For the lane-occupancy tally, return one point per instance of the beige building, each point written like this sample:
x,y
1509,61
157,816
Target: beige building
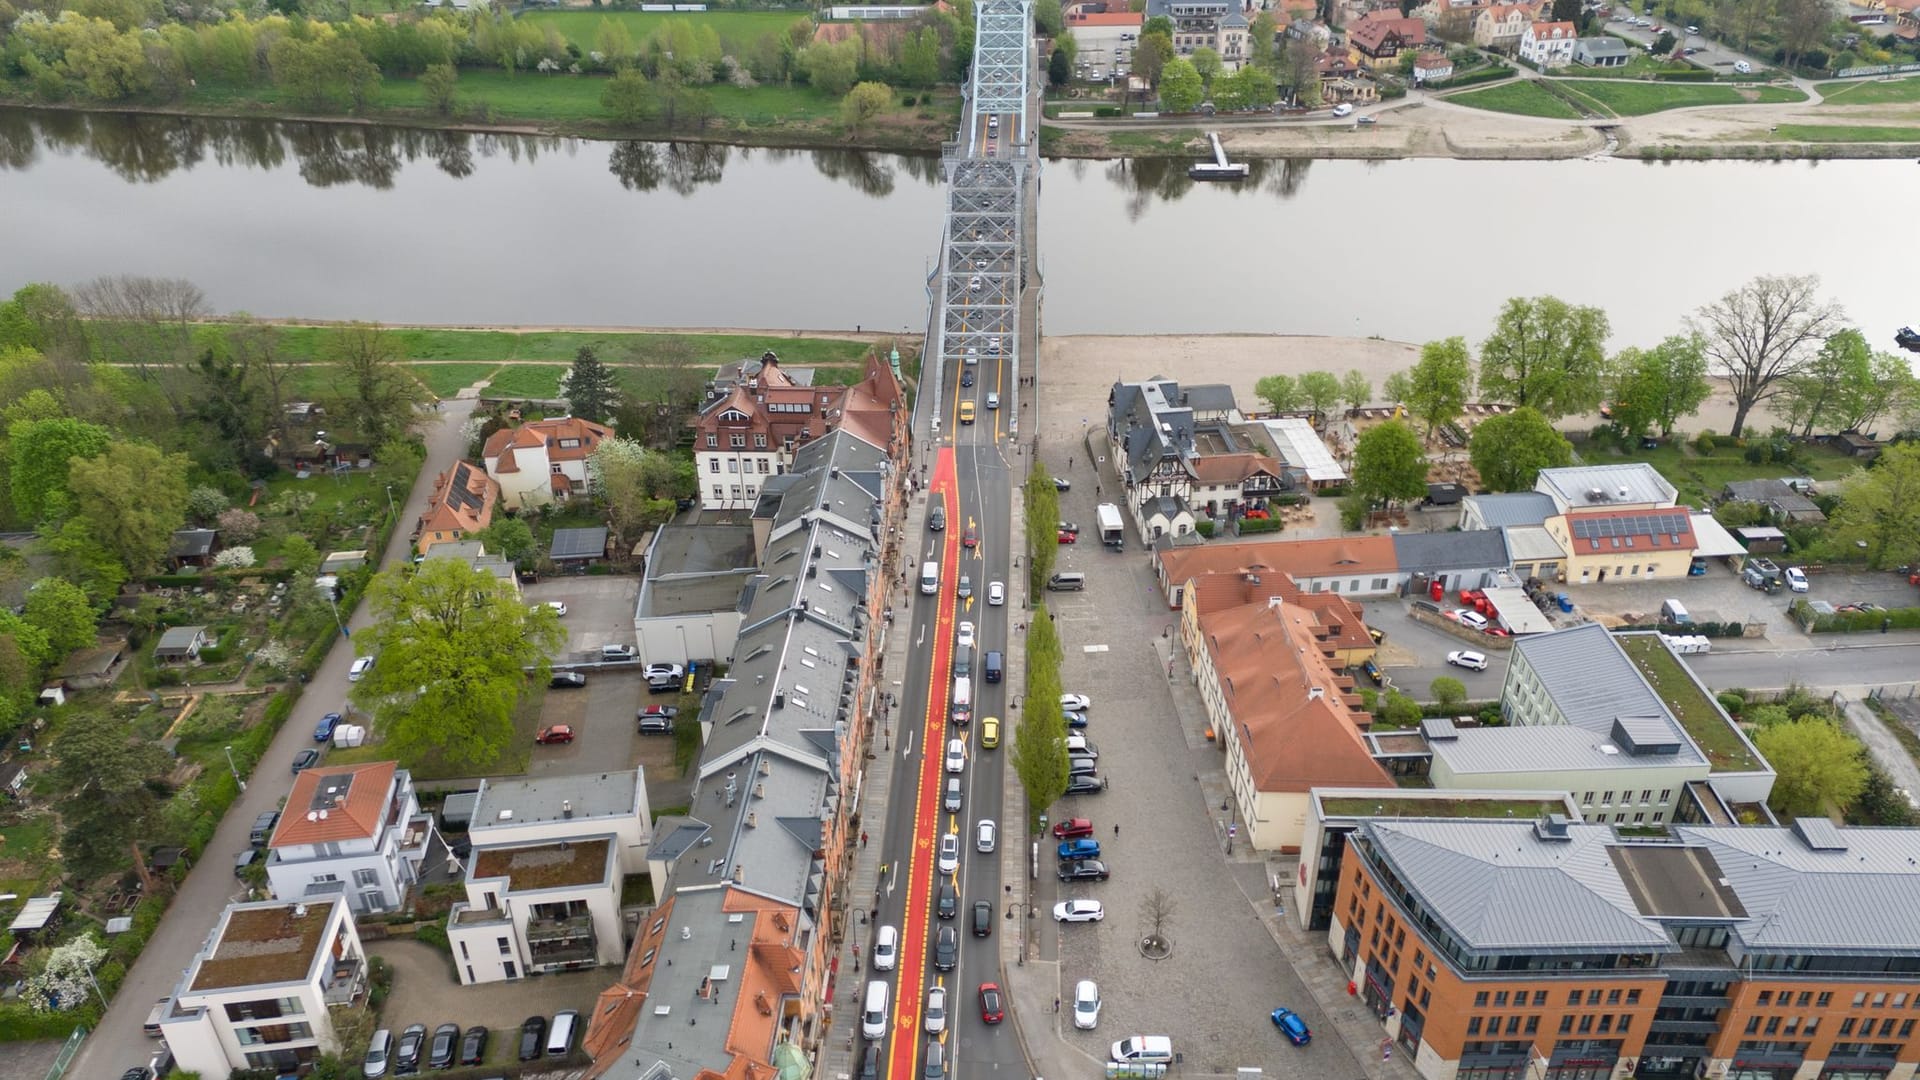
x,y
1501,25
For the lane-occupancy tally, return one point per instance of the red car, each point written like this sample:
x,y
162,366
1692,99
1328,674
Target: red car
x,y
1072,828
1069,538
970,538
558,733
992,1011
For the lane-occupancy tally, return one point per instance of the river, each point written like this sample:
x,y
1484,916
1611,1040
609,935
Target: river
x,y
346,221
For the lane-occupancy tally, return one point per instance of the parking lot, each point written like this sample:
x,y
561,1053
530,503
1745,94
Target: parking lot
x,y
425,991
599,611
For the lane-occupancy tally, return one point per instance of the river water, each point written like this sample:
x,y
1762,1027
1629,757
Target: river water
x,y
333,221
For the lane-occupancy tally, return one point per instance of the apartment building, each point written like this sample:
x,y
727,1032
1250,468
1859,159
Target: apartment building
x,y
1548,45
1503,950
354,831
1220,25
759,416
256,995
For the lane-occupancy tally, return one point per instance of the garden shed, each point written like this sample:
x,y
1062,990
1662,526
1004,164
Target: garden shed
x,y
181,645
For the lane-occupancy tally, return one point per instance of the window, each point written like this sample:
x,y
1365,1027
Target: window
x,y
1859,999
1773,1025
1753,1025
1480,1000
1513,1025
1646,796
1666,796
719,491
763,466
1613,997
1379,584
733,465
1533,1024
1879,1000
1566,1024
1846,1026
1626,1021
1606,799
1805,999
1539,998
1573,997
1593,997
1765,998
1633,997
1586,1023
463,951
1500,1000
1606,1023
1639,818
1587,799
712,439
506,946
713,464
366,879
737,441
760,440
1473,1025
1825,998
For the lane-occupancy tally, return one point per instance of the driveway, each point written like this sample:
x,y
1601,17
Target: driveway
x,y
599,611
425,991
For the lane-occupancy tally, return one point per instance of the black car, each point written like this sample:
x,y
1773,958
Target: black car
x,y
982,919
138,1072
567,680
446,1039
1083,870
656,725
533,1038
1907,338
949,905
304,760
946,949
263,828
406,1056
1085,785
870,1070
473,1047
1062,484
966,377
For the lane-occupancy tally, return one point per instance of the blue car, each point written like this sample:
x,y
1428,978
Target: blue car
x,y
1083,848
1290,1025
324,730
1076,720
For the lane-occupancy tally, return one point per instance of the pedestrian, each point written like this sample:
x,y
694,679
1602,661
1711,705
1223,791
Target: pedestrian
x,y
1009,888
1056,1004
1116,831
863,838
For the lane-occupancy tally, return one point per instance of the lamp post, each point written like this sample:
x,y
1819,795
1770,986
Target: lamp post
x,y
235,770
96,989
334,603
391,512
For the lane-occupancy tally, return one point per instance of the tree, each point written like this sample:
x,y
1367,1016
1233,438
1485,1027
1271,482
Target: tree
x,y
1356,389
40,457
628,96
61,610
1663,44
1881,506
1158,24
1300,71
1817,765
439,84
1763,332
589,388
132,498
381,395
1042,508
67,980
224,400
1509,450
832,67
1440,382
1040,740
1208,64
457,648
1248,88
238,526
1157,909
300,556
1400,710
1321,389
1846,387
637,485
1397,388
1280,392
1262,33
510,538
205,503
920,57
614,43
864,102
1059,67
1388,464
1448,692
1545,353
1654,388
1151,56
238,557
1180,86
109,801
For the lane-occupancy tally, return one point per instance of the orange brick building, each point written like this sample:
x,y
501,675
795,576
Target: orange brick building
x,y
1550,950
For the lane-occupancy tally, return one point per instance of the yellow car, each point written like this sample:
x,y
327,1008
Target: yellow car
x,y
990,732
966,412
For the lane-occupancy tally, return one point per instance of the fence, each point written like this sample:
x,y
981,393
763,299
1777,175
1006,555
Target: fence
x,y
67,1054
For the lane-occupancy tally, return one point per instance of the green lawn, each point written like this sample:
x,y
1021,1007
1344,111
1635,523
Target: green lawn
x,y
446,380
739,31
1521,97
1640,66
526,381
1697,713
486,348
1700,478
1844,133
1641,98
1871,91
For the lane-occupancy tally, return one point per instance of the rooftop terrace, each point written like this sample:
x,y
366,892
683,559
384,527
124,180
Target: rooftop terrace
x,y
261,946
545,866
1698,713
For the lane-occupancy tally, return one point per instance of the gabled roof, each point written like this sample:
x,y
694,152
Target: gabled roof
x,y
345,802
1373,29
1585,487
1552,31
581,437
1480,549
1603,46
1215,469
1606,531
179,639
462,501
581,543
1512,508
191,543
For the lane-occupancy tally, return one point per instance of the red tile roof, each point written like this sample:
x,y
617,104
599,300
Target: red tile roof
x,y
1232,468
1554,31
1108,18
502,444
357,813
1299,558
1371,31
462,502
1660,528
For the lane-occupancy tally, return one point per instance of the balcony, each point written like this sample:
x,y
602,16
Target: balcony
x,y
1685,1027
345,981
562,942
414,840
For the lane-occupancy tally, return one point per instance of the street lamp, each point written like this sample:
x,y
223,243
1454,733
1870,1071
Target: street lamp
x,y
96,989
391,512
334,603
235,770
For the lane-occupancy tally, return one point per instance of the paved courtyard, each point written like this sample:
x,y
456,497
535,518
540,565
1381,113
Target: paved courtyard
x,y
425,991
599,611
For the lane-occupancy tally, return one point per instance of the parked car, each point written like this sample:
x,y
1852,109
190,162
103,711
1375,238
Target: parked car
x,y
379,1055
1472,661
406,1056
1086,1005
446,1040
1071,911
1062,484
1083,870
304,760
245,860
963,637
1796,579
473,1046
1471,618
949,852
1085,785
360,668
989,732
1069,527
1083,848
1072,827
559,609
934,1062
567,680
982,918
948,904
554,734
675,672
1075,720
1290,1025
992,1009
655,724
533,1038
323,731
1069,538
1076,702
263,829
666,712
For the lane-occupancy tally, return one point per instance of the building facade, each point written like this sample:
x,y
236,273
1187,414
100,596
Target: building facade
x,y
354,831
1548,45
750,429
1219,25
543,461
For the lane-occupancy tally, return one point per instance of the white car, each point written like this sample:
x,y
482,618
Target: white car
x,y
996,593
949,853
936,1009
973,355
1076,702
659,672
1086,1005
1796,579
360,667
559,609
975,283
964,639
984,835
1741,67
1078,911
1472,618
1472,661
957,755
1343,109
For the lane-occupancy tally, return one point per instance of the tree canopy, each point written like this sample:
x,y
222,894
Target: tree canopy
x,y
589,388
1388,464
1816,765
1654,388
132,497
1440,383
1509,450
1881,507
1546,353
1763,332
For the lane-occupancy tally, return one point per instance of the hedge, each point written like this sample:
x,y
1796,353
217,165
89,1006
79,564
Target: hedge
x,y
1258,525
1693,75
1474,78
1854,622
1204,528
1694,629
20,1022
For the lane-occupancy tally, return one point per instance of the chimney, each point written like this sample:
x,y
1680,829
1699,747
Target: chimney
x,y
1315,694
566,808
1273,603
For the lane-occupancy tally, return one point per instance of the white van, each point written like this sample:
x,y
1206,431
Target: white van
x,y
930,578
1144,1049
1674,613
560,1035
963,692
873,1017
886,949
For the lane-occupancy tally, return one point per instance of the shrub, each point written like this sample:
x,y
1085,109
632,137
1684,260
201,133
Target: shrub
x,y
1731,702
433,934
1204,528
1108,112
1353,512
1703,444
1249,526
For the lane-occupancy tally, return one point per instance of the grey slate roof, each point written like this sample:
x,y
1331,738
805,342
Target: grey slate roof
x,y
1573,488
1601,46
677,1028
586,543
695,569
1513,508
1862,898
178,639
1498,887
1483,549
1590,678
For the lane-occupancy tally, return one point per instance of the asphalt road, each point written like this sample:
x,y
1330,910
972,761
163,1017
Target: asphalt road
x,y
980,498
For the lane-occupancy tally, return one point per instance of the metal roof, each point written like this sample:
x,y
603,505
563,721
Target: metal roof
x,y
1711,539
556,798
1301,446
1517,612
587,543
37,913
1417,552
1512,508
1862,896
1498,886
1589,677
1547,749
1585,487
1532,544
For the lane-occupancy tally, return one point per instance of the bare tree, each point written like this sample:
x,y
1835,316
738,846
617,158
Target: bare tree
x,y
146,323
256,347
380,394
1765,331
1156,911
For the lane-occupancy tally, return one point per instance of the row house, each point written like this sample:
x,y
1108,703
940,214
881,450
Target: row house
x,y
750,428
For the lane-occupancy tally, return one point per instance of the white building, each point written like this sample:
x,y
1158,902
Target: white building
x,y
545,460
1548,44
256,996
544,879
354,831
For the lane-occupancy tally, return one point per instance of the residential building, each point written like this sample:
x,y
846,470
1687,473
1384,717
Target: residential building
x,y
751,431
1350,565
1181,453
350,830
1627,545
1548,45
1431,67
1560,950
181,645
257,994
461,504
1285,719
543,461
1500,26
1601,52
1219,25
688,608
477,557
1378,37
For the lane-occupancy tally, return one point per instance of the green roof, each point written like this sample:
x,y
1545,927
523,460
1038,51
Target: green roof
x,y
1706,724
1390,806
